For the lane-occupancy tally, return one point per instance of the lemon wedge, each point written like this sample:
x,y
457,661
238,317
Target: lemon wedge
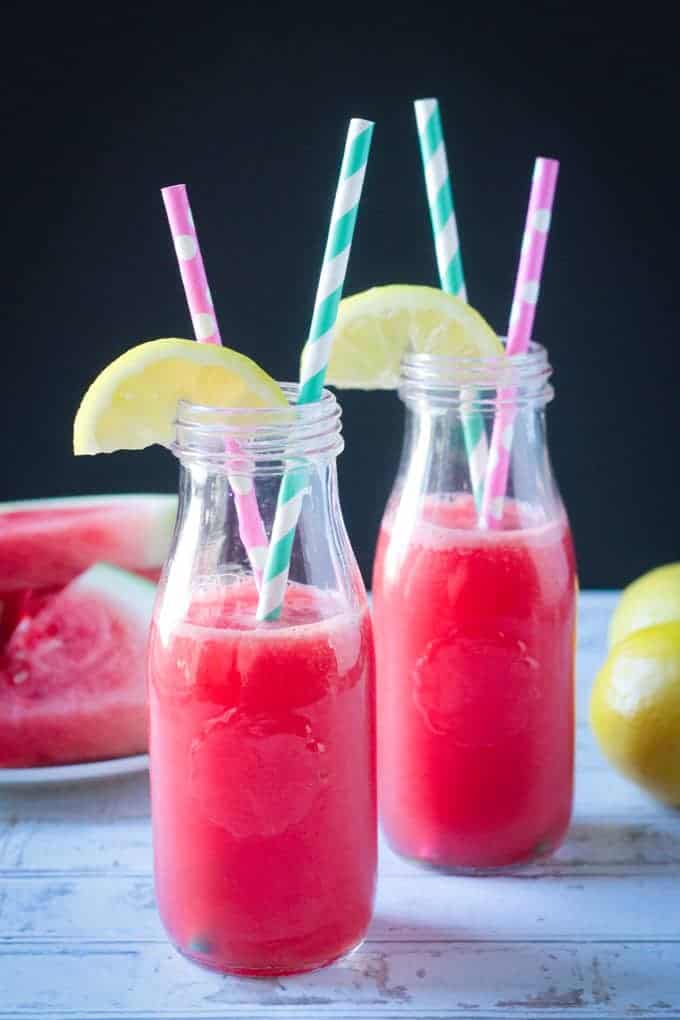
x,y
133,402
376,327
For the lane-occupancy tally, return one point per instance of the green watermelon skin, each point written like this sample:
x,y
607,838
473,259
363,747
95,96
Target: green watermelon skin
x,y
72,678
46,543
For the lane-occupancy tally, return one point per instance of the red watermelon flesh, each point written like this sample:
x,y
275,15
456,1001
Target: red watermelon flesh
x,y
46,543
72,677
10,612
15,606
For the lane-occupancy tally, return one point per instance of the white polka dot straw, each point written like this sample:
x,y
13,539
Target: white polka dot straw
x,y
199,301
527,287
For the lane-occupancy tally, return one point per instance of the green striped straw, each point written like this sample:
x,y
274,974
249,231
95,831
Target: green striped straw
x,y
449,265
294,484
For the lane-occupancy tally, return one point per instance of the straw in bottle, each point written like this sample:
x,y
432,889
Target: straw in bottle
x,y
315,360
199,301
449,264
522,316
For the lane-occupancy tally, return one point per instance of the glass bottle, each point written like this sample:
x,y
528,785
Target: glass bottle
x,y
262,734
474,628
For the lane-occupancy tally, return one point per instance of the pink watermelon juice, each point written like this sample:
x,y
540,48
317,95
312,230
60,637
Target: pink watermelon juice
x,y
475,639
263,779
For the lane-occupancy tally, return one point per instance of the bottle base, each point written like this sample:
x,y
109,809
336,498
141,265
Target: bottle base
x,y
207,962
543,851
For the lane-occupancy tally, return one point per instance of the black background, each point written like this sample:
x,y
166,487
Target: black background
x,y
249,108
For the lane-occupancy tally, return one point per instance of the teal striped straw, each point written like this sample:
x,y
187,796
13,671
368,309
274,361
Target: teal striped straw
x,y
294,484
449,265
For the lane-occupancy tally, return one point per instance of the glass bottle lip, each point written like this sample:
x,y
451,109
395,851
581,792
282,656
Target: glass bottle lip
x,y
264,436
450,379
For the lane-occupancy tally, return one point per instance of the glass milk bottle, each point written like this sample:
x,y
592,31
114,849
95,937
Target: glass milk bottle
x,y
475,629
262,734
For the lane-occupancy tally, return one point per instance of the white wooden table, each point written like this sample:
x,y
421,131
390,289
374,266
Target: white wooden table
x,y
594,933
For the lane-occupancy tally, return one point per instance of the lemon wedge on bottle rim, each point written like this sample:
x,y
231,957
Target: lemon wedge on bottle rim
x,y
133,402
376,327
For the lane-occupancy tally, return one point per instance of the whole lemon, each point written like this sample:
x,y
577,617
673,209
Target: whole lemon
x,y
653,598
635,709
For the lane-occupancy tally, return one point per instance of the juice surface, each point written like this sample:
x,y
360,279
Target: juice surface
x,y
475,634
263,779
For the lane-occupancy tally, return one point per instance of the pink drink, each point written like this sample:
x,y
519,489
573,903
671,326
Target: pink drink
x,y
263,779
475,635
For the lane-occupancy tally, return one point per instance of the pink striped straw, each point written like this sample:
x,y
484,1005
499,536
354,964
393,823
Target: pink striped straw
x,y
527,288
206,331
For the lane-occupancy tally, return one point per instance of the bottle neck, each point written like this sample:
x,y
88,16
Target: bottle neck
x,y
452,405
232,465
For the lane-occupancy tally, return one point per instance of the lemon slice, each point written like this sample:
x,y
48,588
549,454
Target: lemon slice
x,y
376,327
133,402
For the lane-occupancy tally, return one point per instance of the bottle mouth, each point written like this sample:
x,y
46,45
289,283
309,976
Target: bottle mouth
x,y
223,437
451,380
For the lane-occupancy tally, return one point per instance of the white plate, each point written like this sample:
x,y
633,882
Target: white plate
x,y
74,773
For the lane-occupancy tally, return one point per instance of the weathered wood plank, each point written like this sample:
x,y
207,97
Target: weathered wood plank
x,y
378,980
635,835
124,797
442,909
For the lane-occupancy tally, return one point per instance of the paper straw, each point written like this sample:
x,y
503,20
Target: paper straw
x,y
199,300
527,288
449,265
294,485
440,197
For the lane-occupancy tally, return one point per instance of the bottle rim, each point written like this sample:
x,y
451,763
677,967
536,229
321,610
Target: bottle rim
x,y
519,379
259,439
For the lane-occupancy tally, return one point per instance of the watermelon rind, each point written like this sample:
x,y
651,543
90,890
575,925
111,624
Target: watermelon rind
x,y
133,594
164,500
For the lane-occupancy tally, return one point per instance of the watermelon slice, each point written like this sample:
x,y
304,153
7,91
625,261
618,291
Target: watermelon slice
x,y
46,543
72,677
